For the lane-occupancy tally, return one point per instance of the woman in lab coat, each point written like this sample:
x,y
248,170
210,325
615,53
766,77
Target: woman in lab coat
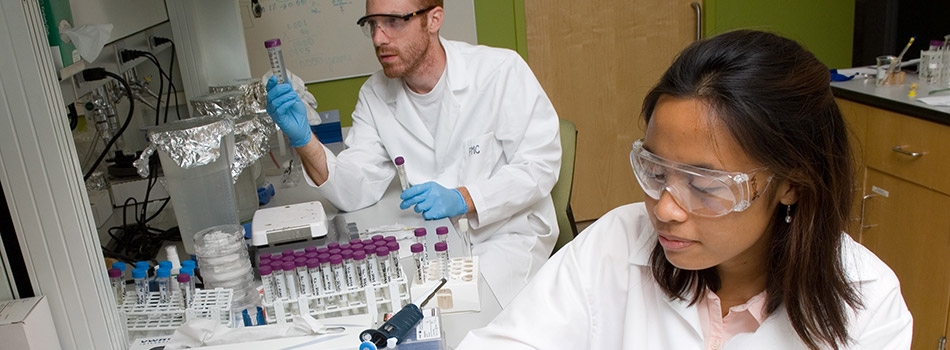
x,y
739,245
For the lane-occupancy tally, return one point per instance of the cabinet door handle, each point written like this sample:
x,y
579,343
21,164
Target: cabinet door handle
x,y
699,19
864,203
942,343
901,150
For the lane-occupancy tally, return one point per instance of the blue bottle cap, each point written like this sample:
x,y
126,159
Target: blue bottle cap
x,y
142,264
119,265
165,263
163,272
187,270
139,273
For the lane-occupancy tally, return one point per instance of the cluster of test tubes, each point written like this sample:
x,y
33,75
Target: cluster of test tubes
x,y
934,66
164,283
441,248
330,277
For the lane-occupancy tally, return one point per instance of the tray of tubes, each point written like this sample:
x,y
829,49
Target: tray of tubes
x,y
156,317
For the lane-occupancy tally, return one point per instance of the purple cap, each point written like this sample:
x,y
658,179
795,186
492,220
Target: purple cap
x,y
355,241
183,278
286,257
393,246
287,252
265,270
271,43
264,261
300,262
310,249
377,238
355,247
265,256
347,254
275,257
333,245
441,230
417,248
345,246
313,263
311,255
289,266
299,253
277,265
114,272
325,257
335,251
936,43
419,232
399,160
369,249
323,250
441,246
382,251
367,241
336,259
359,255
390,238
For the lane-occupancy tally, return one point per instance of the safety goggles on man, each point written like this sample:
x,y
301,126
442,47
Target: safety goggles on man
x,y
391,24
704,192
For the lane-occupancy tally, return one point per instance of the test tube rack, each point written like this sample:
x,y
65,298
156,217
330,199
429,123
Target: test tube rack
x,y
373,299
460,292
154,318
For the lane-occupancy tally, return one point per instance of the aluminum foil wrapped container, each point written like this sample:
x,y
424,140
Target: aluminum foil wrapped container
x,y
189,143
221,103
252,134
255,96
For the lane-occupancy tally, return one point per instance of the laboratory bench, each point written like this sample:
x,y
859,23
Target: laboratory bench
x,y
383,214
902,192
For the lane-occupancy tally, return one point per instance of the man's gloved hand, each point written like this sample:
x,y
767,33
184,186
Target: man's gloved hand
x,y
433,201
288,111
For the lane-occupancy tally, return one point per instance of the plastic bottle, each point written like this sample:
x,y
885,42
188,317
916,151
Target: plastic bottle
x,y
418,259
290,279
339,277
276,58
352,274
140,276
304,281
267,280
420,234
466,238
359,259
385,264
372,265
316,280
442,233
329,285
280,283
394,258
162,280
187,290
401,170
118,285
125,272
442,255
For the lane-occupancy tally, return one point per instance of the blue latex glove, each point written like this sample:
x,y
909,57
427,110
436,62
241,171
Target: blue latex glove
x,y
288,111
433,201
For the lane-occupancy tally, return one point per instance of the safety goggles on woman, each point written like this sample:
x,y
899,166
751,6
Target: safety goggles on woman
x,y
704,192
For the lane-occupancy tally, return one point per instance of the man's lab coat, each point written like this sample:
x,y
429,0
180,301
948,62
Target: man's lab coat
x,y
497,136
598,293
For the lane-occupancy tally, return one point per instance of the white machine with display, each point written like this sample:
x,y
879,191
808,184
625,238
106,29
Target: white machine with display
x,y
288,223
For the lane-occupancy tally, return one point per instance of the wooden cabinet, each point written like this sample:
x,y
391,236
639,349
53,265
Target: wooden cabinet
x,y
906,211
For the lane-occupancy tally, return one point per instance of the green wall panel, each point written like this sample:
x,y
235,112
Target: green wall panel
x,y
825,27
498,23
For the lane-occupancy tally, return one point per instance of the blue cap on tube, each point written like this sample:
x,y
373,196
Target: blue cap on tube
x,y
139,273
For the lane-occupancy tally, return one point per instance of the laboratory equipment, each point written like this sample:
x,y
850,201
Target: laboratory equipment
x,y
196,159
442,256
224,261
289,223
290,279
118,285
304,282
420,234
187,289
401,170
267,282
466,238
255,97
276,58
401,323
418,258
162,279
339,277
460,293
385,264
442,233
372,264
394,258
140,276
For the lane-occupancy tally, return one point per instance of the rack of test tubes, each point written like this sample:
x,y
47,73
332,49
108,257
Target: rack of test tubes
x,y
460,292
359,277
157,317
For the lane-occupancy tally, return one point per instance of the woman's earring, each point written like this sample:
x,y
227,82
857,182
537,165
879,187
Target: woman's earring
x,y
788,214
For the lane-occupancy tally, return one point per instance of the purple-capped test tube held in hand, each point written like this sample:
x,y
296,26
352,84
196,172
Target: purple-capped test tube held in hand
x,y
401,170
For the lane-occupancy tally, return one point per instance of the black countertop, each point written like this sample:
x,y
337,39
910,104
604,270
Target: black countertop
x,y
893,97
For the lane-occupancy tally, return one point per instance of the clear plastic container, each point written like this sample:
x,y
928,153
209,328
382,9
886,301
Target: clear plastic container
x,y
222,255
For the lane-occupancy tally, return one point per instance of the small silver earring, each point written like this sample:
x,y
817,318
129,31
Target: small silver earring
x,y
788,214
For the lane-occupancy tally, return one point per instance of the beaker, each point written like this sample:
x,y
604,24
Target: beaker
x,y
889,71
196,158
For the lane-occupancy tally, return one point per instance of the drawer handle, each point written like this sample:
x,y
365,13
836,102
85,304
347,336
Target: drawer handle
x,y
901,150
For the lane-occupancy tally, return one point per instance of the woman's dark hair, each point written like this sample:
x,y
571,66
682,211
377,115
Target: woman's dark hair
x,y
775,99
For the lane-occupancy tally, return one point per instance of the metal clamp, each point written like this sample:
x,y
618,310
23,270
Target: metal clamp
x,y
901,150
699,19
864,202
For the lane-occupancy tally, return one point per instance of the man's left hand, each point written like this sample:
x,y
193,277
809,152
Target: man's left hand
x,y
433,201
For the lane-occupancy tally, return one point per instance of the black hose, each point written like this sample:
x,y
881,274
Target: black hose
x,y
128,93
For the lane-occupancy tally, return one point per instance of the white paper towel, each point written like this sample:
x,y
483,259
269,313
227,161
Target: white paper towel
x,y
89,39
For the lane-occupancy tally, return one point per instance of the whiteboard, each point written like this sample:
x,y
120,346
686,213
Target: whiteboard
x,y
320,40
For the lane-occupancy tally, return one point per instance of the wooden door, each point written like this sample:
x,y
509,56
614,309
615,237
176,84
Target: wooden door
x,y
596,61
910,231
856,115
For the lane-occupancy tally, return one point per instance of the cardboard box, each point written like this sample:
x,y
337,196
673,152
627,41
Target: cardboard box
x,y
27,324
58,16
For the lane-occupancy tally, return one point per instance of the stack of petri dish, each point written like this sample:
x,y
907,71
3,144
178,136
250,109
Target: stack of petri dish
x,y
224,263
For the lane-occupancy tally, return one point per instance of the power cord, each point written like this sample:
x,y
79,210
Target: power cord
x,y
94,74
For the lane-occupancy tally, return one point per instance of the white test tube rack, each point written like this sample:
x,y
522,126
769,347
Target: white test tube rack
x,y
374,300
460,292
154,318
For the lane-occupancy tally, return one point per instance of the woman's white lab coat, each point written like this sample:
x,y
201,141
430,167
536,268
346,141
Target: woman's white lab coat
x,y
598,293
497,136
